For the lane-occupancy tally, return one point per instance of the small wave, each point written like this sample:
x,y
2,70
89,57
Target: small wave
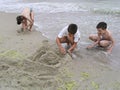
x,y
7,1
107,11
55,7
45,7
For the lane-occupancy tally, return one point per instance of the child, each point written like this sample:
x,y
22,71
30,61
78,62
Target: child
x,y
103,37
70,35
26,18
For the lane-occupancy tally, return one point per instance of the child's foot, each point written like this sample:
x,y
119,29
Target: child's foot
x,y
29,30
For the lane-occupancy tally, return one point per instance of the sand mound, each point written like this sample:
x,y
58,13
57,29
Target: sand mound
x,y
39,72
49,55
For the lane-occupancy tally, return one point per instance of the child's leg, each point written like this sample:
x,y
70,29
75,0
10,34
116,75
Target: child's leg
x,y
93,37
31,26
105,43
32,19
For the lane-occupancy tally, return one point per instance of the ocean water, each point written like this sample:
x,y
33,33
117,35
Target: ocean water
x,y
52,15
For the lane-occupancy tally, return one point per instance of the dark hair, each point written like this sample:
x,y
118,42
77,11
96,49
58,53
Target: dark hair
x,y
102,25
19,19
72,28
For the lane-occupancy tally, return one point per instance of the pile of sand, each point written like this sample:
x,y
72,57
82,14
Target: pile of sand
x,y
28,61
40,71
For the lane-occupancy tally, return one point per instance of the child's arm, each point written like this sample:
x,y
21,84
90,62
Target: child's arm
x,y
112,45
72,47
62,50
30,22
95,43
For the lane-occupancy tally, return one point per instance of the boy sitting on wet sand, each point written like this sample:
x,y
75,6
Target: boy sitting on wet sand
x,y
70,35
103,38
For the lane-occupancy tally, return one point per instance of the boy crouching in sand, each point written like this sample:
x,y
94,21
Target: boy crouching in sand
x,y
26,19
103,37
70,35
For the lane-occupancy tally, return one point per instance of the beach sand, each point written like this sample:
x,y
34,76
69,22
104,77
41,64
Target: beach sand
x,y
28,61
25,42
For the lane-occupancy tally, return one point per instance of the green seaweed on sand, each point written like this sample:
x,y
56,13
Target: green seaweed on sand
x,y
70,85
60,88
66,83
12,54
95,85
84,75
116,86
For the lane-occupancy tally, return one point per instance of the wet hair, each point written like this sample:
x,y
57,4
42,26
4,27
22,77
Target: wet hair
x,y
19,19
72,28
102,25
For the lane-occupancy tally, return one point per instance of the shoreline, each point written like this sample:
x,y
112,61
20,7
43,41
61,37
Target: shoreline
x,y
28,60
11,39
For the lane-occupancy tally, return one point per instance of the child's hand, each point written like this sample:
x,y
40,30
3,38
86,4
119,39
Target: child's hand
x,y
89,47
62,50
69,52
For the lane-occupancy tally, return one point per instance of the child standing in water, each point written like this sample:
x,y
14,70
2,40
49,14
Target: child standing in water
x,y
26,18
103,37
70,35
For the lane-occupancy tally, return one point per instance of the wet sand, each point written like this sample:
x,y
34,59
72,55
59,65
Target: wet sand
x,y
29,61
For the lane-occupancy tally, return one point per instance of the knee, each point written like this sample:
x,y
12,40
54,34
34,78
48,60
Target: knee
x,y
91,37
102,43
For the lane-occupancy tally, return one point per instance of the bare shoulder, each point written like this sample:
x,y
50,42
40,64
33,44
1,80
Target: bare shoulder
x,y
109,33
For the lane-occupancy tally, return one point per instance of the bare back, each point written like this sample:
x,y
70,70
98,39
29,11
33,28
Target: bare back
x,y
26,13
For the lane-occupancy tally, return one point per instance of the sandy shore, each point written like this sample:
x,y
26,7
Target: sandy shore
x,y
27,60
25,42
